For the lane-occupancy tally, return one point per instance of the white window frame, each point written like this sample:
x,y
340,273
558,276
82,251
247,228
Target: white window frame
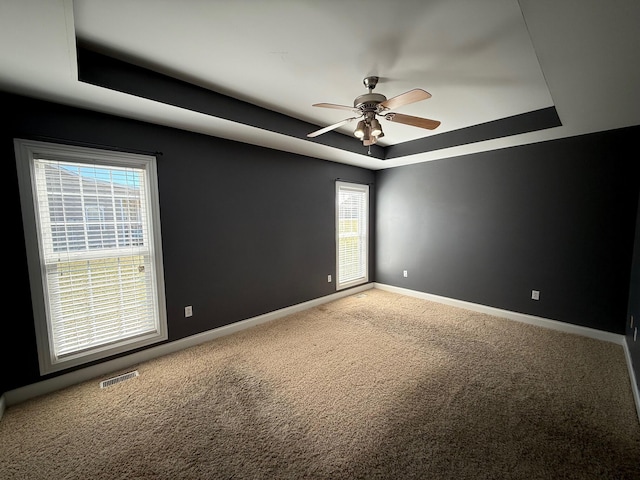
x,y
362,236
26,152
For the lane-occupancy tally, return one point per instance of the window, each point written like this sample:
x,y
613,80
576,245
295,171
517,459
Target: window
x,y
92,232
352,232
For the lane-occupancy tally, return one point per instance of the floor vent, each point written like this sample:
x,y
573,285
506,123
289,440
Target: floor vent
x,y
118,379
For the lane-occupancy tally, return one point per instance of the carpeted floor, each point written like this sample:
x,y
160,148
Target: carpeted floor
x,y
372,386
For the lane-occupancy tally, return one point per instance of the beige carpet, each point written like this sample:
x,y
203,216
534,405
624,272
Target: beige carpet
x,y
372,386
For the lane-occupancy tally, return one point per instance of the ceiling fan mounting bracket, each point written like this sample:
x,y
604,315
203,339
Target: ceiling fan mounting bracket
x,y
370,82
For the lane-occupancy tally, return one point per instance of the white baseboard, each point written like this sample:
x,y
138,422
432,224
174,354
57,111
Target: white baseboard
x,y
632,378
519,317
21,394
533,320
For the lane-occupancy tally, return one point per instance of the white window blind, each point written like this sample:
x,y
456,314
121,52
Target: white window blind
x,y
95,216
352,227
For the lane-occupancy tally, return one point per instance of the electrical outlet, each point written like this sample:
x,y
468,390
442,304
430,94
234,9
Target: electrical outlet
x,y
535,294
404,274
329,278
188,311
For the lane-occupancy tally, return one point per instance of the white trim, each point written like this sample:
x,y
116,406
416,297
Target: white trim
x,y
519,317
69,20
632,378
21,394
65,380
26,152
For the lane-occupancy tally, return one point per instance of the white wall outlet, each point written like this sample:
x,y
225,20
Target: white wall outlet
x,y
188,311
404,274
535,294
329,278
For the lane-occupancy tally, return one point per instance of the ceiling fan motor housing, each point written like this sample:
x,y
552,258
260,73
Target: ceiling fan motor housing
x,y
368,102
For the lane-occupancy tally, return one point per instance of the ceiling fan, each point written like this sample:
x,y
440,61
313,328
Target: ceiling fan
x,y
370,105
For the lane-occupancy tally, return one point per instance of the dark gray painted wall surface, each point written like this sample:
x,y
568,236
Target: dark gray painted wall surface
x,y
557,217
246,230
634,305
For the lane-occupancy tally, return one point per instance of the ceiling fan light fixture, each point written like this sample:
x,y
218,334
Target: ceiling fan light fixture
x,y
360,129
376,128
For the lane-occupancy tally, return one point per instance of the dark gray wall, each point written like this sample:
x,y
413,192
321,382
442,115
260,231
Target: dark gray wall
x,y
246,230
634,304
488,228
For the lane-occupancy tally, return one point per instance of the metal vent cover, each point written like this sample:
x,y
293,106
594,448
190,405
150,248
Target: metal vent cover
x,y
118,379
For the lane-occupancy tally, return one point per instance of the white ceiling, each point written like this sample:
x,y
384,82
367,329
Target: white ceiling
x,y
481,60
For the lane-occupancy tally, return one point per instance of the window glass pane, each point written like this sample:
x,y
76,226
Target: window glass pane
x,y
352,231
94,301
92,207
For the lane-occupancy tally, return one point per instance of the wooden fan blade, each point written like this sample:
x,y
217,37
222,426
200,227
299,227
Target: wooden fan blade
x,y
333,105
411,120
406,98
331,127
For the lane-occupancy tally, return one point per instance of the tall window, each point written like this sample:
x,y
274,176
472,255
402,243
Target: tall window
x,y
92,231
352,232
